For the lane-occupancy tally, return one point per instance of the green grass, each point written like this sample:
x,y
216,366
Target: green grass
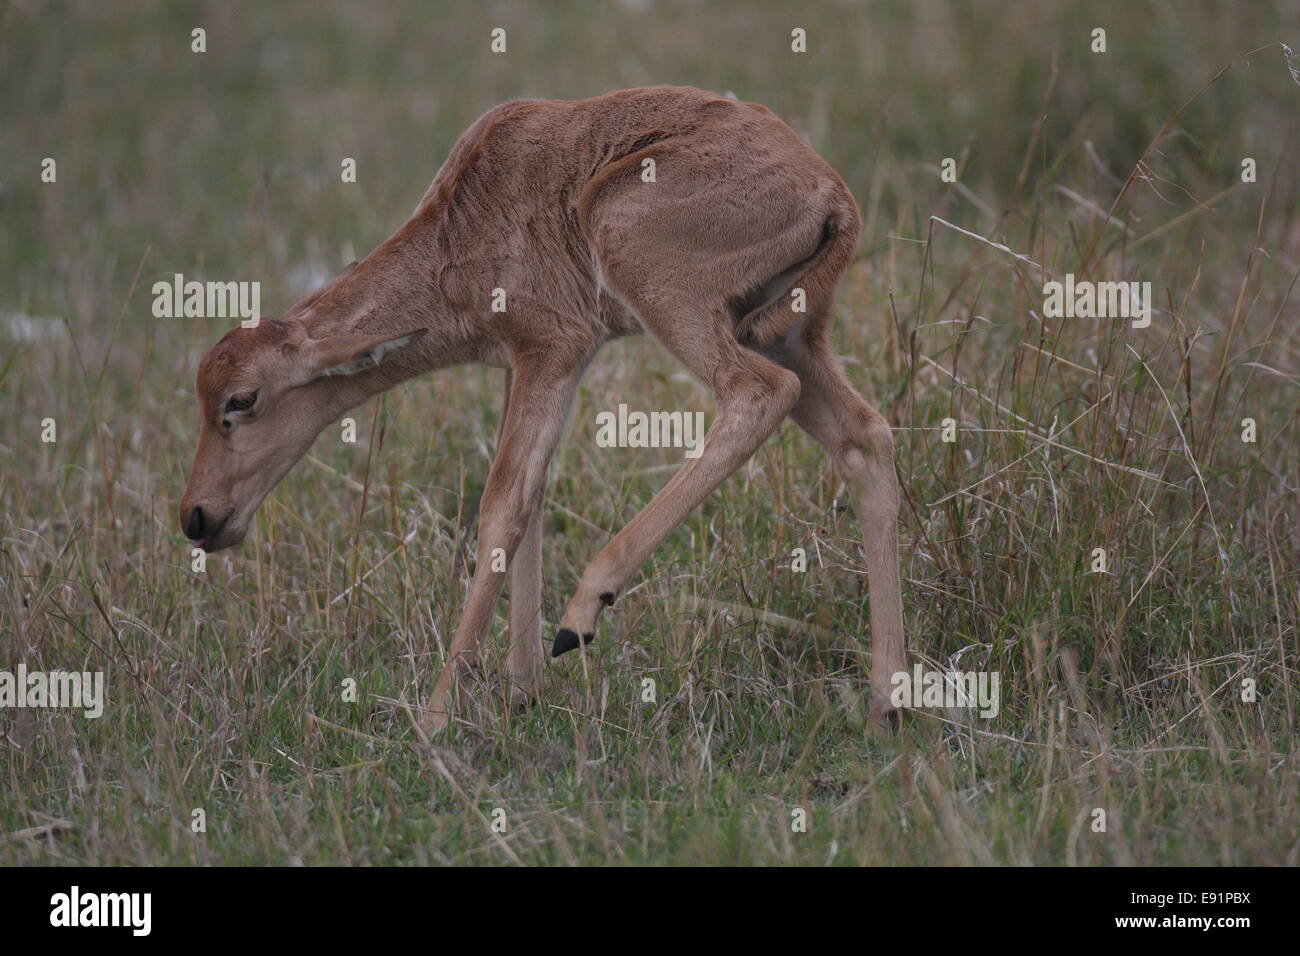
x,y
1121,691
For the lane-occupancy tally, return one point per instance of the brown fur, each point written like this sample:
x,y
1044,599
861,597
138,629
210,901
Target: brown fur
x,y
546,201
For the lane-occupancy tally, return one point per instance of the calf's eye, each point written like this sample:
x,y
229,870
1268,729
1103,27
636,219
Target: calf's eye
x,y
240,403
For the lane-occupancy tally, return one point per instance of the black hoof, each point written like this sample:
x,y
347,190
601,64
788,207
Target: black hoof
x,y
567,640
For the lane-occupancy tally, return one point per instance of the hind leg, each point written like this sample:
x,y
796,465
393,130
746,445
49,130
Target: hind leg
x,y
861,446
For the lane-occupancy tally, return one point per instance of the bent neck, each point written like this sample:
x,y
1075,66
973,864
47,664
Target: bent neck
x,y
393,291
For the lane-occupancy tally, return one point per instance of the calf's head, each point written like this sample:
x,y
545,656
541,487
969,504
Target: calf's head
x,y
264,395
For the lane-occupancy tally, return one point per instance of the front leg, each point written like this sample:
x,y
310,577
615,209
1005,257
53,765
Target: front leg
x,y
524,660
534,422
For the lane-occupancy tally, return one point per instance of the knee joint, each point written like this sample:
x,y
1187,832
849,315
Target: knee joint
x,y
878,440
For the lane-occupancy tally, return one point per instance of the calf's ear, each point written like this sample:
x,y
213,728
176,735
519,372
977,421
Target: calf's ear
x,y
349,353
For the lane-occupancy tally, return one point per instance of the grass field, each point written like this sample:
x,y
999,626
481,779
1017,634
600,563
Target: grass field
x,y
1121,691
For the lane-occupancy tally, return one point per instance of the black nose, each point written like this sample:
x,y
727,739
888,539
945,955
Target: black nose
x,y
194,524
